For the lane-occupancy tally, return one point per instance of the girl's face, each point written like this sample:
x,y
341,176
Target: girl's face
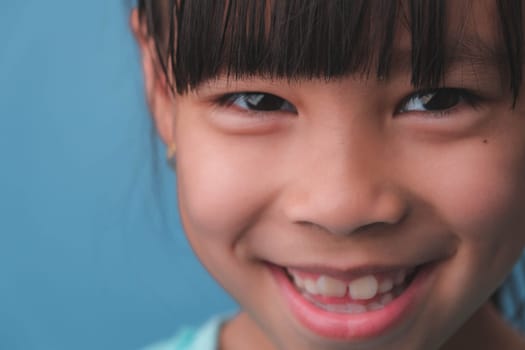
x,y
354,211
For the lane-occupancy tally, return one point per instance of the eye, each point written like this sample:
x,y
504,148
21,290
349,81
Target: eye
x,y
437,100
258,102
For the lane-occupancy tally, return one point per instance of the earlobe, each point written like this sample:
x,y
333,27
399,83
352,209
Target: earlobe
x,y
158,94
171,152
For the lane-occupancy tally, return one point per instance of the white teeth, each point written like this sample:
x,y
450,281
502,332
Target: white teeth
x,y
331,287
311,287
346,308
355,308
325,285
386,285
298,281
374,306
363,288
379,291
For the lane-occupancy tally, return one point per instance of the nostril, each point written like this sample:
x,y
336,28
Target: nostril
x,y
311,226
382,218
347,207
372,226
367,228
378,226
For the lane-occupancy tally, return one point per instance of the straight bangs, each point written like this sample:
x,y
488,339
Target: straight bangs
x,y
200,40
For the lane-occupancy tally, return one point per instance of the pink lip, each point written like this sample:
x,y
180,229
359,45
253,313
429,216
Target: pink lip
x,y
345,274
352,327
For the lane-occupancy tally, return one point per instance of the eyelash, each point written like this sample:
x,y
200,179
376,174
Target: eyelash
x,y
459,97
229,100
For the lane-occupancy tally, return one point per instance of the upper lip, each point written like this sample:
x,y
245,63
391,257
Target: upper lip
x,y
355,271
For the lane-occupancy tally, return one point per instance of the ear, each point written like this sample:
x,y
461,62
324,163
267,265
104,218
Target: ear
x,y
158,94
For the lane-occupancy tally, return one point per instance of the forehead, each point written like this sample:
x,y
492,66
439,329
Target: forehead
x,y
473,24
471,34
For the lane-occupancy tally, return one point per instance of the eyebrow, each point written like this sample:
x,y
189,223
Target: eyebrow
x,y
474,50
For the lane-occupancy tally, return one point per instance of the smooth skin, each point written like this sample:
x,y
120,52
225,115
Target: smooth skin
x,y
352,172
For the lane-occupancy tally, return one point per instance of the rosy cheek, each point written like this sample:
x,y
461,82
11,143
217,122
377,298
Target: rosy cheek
x,y
218,194
479,196
477,204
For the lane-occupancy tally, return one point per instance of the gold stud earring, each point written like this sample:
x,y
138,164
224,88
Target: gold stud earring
x,y
170,154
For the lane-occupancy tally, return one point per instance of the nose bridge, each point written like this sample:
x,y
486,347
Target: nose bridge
x,y
348,185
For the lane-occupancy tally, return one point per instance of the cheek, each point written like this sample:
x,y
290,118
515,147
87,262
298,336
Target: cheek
x,y
480,193
211,193
222,188
475,198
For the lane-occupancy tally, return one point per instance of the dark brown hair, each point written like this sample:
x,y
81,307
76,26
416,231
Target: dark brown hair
x,y
199,39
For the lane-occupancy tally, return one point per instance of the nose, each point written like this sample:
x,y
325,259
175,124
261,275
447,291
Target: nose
x,y
347,190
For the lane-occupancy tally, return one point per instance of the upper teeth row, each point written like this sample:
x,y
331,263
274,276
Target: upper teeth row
x,y
362,288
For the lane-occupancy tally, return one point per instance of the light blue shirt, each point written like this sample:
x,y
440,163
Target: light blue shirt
x,y
204,338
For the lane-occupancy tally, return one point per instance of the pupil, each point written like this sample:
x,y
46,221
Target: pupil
x,y
443,99
264,102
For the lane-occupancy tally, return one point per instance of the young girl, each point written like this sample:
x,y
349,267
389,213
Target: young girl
x,y
351,172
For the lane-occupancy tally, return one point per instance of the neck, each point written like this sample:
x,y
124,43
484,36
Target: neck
x,y
241,330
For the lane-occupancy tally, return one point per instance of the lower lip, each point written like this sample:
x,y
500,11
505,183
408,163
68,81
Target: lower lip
x,y
352,327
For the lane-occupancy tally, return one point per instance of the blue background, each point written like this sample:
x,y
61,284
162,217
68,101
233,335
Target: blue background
x,y
92,255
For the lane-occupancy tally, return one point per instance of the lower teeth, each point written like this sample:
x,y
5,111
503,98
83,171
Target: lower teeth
x,y
354,308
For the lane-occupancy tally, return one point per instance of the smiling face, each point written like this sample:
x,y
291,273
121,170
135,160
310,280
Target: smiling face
x,y
344,185
354,212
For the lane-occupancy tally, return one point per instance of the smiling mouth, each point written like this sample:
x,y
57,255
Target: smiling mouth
x,y
357,304
353,294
